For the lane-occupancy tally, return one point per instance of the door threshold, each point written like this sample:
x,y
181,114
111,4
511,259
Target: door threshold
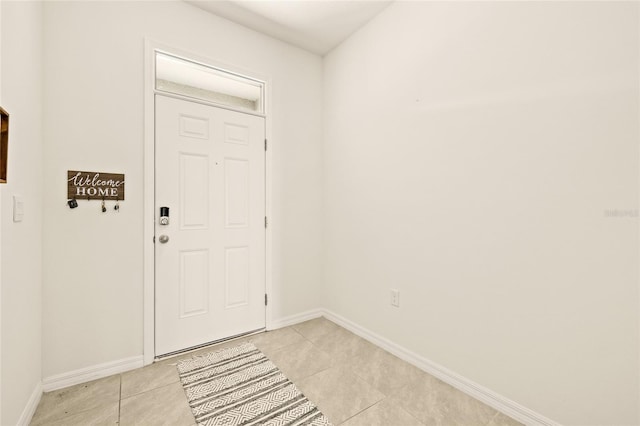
x,y
204,345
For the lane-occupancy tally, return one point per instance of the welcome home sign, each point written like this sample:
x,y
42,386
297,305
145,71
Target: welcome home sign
x,y
95,185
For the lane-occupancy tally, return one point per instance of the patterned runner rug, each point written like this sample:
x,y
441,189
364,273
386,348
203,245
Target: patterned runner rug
x,y
241,386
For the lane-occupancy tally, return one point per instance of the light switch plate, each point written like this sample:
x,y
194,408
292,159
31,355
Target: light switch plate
x,y
18,208
395,297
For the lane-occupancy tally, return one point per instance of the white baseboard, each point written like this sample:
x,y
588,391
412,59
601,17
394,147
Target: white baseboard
x,y
32,405
479,392
87,374
295,319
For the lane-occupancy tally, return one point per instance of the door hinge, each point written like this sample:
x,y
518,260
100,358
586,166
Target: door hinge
x,y
154,239
266,222
265,144
265,299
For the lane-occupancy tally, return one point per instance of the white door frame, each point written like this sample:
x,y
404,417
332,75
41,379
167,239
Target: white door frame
x,y
149,213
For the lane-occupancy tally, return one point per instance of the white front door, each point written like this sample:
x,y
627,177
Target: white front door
x,y
210,257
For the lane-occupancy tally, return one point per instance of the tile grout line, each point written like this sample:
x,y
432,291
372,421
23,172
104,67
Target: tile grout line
x,y
493,418
364,409
314,345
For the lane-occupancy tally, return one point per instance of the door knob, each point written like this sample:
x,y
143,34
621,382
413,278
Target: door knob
x,y
164,239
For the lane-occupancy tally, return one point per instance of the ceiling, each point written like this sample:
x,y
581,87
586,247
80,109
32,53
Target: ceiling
x,y
314,25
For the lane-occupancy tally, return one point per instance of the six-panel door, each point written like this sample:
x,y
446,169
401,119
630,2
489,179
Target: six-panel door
x,y
210,272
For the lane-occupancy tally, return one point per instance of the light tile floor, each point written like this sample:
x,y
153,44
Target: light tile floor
x,y
353,382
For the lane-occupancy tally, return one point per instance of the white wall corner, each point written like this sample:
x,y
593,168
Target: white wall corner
x,y
32,405
479,392
148,208
88,374
294,319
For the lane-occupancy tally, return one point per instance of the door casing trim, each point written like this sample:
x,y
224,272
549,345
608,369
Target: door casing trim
x,y
149,185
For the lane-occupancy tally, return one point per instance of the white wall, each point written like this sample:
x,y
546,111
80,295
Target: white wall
x,y
471,152
21,243
93,262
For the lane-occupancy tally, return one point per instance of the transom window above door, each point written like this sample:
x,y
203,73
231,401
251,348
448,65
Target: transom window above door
x,y
200,81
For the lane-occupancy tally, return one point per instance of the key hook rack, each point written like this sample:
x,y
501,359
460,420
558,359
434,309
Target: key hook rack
x,y
100,186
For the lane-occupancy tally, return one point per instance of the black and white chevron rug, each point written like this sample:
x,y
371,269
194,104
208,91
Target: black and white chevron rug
x,y
241,386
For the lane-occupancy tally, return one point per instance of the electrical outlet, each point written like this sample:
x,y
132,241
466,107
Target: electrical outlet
x,y
395,297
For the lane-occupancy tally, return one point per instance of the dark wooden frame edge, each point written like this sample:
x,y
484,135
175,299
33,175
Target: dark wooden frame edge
x,y
4,144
